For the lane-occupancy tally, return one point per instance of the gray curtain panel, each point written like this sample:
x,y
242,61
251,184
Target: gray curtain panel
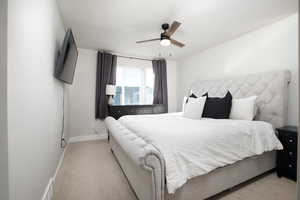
x,y
160,94
106,74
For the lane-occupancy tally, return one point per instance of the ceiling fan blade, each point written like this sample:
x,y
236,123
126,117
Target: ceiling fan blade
x,y
175,25
179,44
148,40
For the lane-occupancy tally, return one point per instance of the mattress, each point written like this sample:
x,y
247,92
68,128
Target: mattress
x,y
194,147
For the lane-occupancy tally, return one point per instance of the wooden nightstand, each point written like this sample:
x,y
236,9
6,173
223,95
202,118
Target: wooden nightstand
x,y
287,158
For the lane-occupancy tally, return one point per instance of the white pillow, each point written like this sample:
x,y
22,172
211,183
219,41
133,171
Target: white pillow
x,y
243,109
194,108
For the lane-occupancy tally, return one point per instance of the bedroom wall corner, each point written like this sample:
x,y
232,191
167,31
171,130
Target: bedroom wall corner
x,y
273,47
4,181
81,98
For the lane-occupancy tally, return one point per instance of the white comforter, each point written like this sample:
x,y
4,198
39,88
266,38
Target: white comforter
x,y
195,147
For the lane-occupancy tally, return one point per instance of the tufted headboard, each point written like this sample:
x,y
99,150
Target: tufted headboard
x,y
270,87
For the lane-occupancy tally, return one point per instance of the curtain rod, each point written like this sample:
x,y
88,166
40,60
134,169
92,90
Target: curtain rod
x,y
130,57
136,58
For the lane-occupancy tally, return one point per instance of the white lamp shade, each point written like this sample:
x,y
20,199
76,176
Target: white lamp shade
x,y
110,89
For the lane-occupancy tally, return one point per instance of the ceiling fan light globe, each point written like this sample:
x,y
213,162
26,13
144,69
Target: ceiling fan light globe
x,y
165,42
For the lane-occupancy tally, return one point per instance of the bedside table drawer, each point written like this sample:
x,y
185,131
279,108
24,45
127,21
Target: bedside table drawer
x,y
287,158
289,141
291,171
287,167
291,155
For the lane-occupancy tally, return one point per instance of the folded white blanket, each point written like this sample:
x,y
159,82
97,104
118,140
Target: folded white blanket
x,y
193,147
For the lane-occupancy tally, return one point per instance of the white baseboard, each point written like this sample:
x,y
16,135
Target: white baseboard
x,y
49,192
60,163
87,138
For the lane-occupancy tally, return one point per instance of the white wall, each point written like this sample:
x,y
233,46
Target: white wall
x,y
82,95
35,32
172,85
273,47
4,189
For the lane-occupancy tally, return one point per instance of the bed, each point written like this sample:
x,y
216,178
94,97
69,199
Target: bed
x,y
146,164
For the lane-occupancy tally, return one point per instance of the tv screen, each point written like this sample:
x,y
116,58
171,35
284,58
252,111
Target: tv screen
x,y
67,59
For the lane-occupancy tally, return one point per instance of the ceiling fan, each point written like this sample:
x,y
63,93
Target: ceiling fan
x,y
165,37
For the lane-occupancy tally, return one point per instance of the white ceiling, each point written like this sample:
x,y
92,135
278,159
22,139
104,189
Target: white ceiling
x,y
116,25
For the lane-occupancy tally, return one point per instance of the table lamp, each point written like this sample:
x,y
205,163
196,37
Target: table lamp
x,y
110,91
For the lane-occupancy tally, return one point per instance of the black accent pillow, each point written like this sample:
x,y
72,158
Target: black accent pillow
x,y
217,108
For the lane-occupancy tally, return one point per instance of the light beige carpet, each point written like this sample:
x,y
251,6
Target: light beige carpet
x,y
90,172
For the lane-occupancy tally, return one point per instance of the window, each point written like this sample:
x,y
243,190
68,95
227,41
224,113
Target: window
x,y
134,85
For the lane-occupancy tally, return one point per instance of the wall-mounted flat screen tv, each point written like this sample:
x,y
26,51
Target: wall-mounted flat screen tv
x,y
67,58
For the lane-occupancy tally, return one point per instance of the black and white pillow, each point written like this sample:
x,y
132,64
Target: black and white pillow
x,y
216,107
186,99
191,96
194,108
